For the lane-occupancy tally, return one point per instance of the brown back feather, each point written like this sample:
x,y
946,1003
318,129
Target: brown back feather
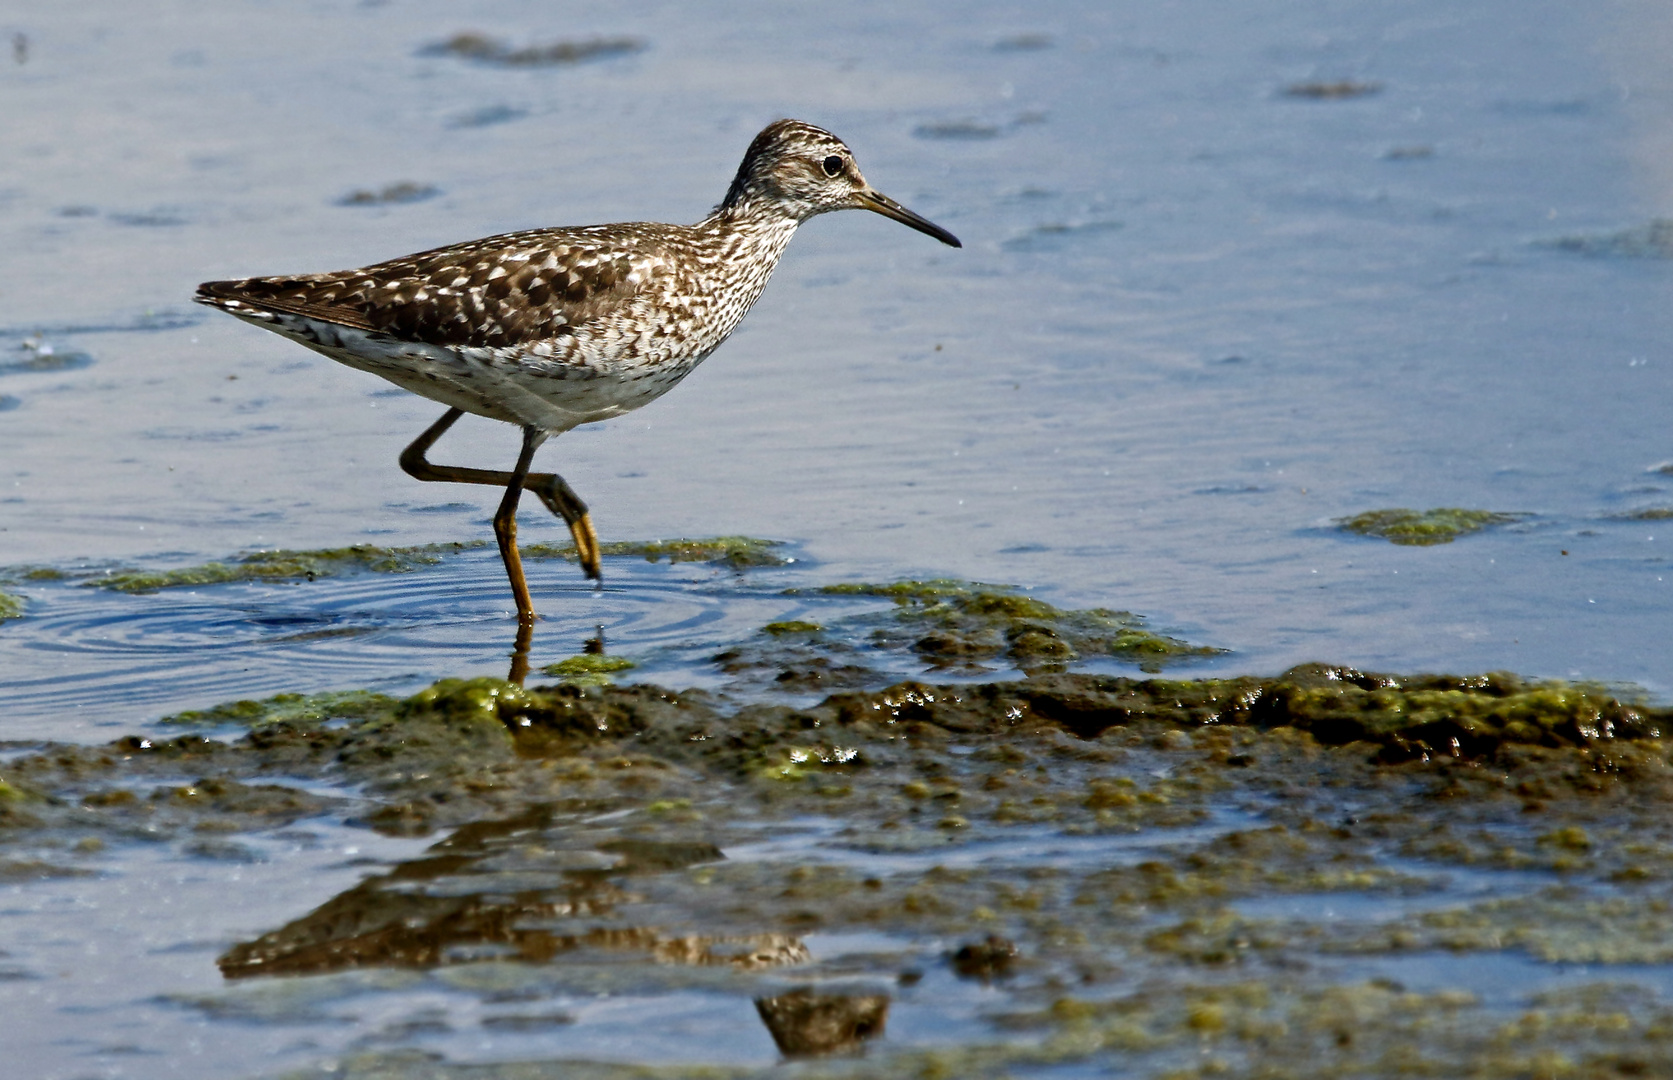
x,y
471,294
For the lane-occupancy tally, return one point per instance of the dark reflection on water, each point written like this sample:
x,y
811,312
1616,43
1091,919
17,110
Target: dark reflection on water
x,y
533,889
455,907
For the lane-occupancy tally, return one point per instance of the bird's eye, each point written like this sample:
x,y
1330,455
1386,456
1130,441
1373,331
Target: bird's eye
x,y
832,165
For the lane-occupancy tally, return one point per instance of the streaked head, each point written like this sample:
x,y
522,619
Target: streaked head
x,y
801,171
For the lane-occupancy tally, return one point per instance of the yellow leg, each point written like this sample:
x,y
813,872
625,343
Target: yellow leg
x,y
505,524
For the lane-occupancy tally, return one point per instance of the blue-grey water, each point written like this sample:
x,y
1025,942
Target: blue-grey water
x,y
1197,318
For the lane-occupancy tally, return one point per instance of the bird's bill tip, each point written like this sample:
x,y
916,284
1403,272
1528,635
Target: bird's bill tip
x,y
879,203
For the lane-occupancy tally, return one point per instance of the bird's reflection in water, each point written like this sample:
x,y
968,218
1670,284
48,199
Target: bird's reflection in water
x,y
593,646
503,890
493,891
520,652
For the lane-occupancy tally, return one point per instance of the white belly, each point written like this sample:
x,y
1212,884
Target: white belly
x,y
497,383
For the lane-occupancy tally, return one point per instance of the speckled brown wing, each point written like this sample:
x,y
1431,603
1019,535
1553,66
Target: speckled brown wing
x,y
497,292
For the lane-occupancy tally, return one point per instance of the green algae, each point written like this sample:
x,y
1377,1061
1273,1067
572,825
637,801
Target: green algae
x,y
473,700
737,552
1427,716
589,669
11,607
1556,925
301,709
1264,1028
903,592
1534,734
963,623
1423,528
15,793
283,565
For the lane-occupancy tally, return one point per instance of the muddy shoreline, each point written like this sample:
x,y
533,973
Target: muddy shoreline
x,y
1100,862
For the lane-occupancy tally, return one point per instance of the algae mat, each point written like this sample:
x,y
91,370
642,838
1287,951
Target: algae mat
x,y
1327,873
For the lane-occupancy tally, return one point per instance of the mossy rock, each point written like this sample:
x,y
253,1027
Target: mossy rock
x,y
1423,528
470,700
11,607
791,626
1399,719
589,669
949,622
1431,716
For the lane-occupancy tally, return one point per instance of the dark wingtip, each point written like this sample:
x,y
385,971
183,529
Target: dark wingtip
x,y
214,292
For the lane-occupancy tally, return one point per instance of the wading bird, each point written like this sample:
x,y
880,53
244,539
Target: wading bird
x,y
553,328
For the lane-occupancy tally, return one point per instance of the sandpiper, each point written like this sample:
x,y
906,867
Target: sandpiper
x,y
553,328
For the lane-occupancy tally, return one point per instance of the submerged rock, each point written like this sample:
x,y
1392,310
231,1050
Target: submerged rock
x,y
1653,240
488,50
1339,90
950,623
1421,528
404,191
807,1023
589,669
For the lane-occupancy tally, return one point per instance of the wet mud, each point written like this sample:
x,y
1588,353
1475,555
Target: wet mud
x,y
1105,862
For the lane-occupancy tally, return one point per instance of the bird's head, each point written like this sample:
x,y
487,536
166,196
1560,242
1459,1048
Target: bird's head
x,y
799,170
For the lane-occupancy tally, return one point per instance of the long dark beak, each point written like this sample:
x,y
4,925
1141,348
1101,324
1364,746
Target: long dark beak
x,y
877,202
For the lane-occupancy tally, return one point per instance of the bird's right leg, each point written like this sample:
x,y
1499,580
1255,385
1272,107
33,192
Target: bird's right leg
x,y
505,525
558,496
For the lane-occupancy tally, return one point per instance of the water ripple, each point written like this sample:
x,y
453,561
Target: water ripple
x,y
88,661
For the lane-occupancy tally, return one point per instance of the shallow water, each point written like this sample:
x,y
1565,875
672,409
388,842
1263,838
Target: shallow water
x,y
89,663
1196,317
1228,276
